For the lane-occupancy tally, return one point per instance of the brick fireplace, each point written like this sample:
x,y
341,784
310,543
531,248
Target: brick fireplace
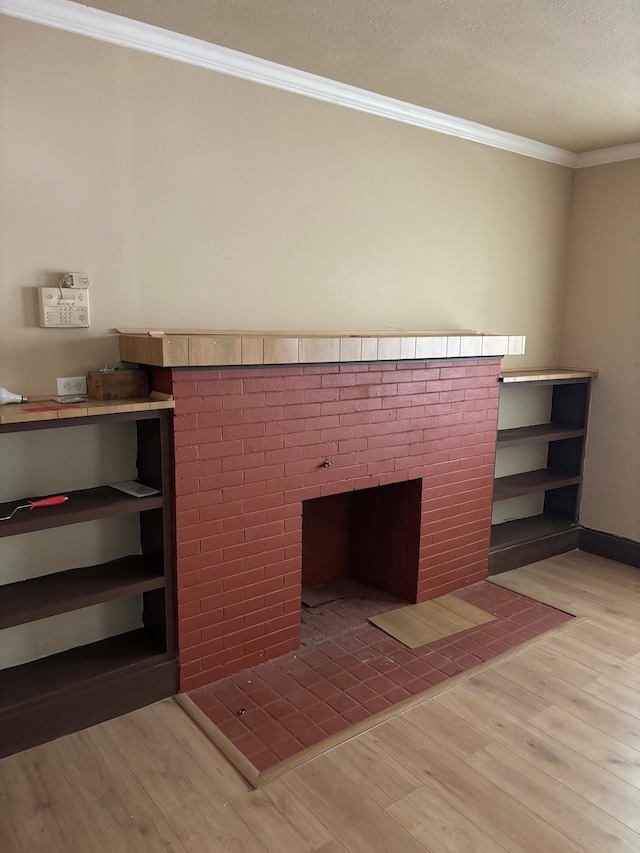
x,y
254,445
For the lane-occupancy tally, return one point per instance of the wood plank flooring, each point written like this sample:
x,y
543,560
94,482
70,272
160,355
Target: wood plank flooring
x,y
541,754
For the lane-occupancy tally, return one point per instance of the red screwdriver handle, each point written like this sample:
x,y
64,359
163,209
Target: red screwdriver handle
x,y
56,499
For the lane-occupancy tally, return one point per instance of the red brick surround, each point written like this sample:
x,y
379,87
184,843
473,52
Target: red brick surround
x,y
249,448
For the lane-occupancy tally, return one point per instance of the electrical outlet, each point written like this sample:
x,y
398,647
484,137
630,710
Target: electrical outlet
x,y
71,385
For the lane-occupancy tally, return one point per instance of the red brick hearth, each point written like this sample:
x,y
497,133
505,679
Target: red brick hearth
x,y
252,444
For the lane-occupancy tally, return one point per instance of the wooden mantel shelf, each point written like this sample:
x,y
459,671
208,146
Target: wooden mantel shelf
x,y
212,348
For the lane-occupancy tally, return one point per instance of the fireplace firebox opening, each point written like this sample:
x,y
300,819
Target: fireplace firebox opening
x,y
369,535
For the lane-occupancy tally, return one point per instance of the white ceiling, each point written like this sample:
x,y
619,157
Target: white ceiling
x,y
564,72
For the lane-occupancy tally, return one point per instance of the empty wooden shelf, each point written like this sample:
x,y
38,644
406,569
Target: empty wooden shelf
x,y
527,483
62,692
62,592
523,540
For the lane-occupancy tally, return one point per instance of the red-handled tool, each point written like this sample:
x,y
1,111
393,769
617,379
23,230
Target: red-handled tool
x,y
56,499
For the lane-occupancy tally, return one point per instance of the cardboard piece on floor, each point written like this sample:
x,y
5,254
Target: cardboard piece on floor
x,y
419,624
313,596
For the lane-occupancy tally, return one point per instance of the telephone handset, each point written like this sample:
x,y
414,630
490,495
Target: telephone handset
x,y
63,307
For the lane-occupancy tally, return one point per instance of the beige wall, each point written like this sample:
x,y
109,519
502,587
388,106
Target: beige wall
x,y
194,199
198,200
602,329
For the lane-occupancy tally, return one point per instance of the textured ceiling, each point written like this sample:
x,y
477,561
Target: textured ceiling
x,y
565,72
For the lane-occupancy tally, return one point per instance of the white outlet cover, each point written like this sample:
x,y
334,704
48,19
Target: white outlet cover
x,y
71,385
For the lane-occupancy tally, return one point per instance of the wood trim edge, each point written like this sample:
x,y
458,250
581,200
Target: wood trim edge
x,y
400,708
525,553
607,545
611,547
257,779
234,756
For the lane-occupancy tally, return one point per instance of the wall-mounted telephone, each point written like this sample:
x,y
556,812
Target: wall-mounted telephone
x,y
63,307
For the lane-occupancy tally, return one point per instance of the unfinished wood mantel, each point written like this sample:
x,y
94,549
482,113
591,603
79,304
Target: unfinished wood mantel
x,y
213,348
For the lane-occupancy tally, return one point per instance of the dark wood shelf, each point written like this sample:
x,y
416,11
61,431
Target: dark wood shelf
x,y
556,529
537,434
530,482
63,692
40,680
522,530
38,598
83,505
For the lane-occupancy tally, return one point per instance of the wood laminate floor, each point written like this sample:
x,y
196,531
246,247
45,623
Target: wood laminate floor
x,y
541,754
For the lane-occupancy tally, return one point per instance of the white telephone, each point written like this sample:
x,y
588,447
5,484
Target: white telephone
x,y
63,307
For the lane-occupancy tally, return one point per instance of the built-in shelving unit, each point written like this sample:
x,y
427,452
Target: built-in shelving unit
x,y
523,540
63,692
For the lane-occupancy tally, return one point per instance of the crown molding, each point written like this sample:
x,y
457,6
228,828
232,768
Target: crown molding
x,y
608,155
114,29
105,26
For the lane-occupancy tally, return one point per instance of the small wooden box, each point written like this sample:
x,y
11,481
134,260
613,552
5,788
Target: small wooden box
x,y
118,384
